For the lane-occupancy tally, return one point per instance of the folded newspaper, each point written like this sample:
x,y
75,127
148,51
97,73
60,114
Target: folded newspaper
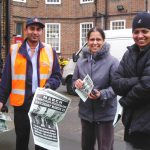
x,y
118,112
47,109
6,123
87,88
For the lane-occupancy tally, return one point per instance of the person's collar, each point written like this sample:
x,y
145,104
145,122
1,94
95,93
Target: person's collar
x,y
141,49
147,47
28,47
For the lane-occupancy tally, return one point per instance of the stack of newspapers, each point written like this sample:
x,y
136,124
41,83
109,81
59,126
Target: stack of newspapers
x,y
5,122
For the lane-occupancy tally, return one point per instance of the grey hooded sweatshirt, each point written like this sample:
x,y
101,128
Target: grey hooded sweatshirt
x,y
100,67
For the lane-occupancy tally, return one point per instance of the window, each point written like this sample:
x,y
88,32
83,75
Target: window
x,y
84,28
53,1
117,0
117,24
20,1
19,29
86,1
52,35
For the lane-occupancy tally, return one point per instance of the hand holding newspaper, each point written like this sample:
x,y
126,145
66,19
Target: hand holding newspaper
x,y
87,88
47,109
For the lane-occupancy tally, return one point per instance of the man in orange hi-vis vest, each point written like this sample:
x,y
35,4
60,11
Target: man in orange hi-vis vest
x,y
28,65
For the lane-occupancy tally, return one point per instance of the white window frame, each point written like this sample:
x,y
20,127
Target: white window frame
x,y
53,3
88,1
21,23
23,1
117,21
81,37
59,36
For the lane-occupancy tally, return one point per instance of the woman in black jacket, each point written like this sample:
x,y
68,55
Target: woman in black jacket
x,y
132,82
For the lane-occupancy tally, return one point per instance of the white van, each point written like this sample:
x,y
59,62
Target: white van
x,y
118,39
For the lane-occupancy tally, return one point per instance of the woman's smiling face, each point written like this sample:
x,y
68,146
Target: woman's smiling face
x,y
95,41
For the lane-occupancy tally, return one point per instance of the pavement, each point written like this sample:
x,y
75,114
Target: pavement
x,y
69,130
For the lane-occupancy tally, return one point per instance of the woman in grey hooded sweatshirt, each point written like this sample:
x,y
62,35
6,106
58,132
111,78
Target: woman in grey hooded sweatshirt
x,y
98,111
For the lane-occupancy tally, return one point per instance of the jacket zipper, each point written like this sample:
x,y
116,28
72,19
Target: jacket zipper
x,y
93,112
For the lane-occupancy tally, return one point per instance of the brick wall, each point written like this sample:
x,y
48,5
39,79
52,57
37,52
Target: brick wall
x,y
70,13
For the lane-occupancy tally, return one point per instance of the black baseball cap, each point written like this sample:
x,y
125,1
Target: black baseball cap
x,y
34,20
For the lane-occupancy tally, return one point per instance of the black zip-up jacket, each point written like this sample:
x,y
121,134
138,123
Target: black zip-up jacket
x,y
132,82
132,79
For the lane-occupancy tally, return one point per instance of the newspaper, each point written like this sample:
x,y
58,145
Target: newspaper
x,y
118,112
47,109
5,122
87,88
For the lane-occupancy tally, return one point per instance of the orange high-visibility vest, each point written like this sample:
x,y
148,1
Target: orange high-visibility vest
x,y
18,70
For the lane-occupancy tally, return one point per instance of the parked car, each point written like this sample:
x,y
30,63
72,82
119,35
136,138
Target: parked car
x,y
69,69
118,39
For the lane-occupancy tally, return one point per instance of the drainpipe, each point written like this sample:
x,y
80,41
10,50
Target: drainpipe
x,y
106,14
7,36
95,3
0,28
146,5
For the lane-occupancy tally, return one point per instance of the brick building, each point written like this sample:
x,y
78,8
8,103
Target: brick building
x,y
4,28
68,21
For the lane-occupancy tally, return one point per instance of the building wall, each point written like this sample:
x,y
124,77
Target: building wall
x,y
5,29
70,13
131,7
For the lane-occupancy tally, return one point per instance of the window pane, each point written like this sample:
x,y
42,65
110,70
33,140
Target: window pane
x,y
53,36
120,24
84,28
19,28
20,0
53,1
86,1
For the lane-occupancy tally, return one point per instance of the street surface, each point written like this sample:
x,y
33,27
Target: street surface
x,y
69,130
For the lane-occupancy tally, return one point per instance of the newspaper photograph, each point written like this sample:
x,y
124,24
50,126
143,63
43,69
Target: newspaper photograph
x,y
5,122
47,109
87,88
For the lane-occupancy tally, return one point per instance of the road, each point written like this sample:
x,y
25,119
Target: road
x,y
69,130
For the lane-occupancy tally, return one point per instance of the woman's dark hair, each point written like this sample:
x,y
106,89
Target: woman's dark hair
x,y
94,30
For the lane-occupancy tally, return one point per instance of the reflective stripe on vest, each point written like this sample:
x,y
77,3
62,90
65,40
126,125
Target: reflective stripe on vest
x,y
46,63
18,68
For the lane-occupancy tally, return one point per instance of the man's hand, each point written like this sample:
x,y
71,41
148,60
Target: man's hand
x,y
47,86
1,106
4,109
